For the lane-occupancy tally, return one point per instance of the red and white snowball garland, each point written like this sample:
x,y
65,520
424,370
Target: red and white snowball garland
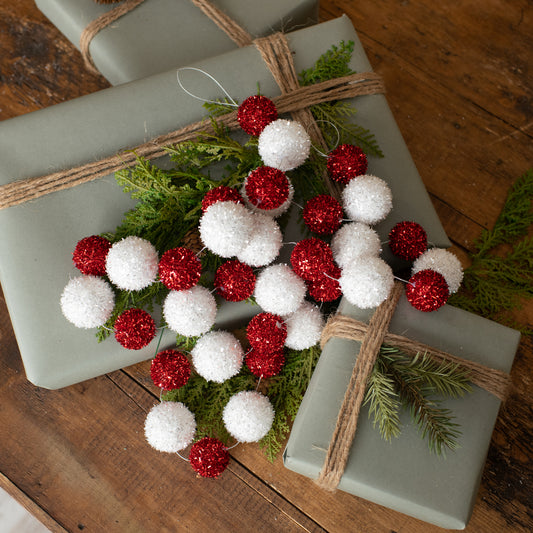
x,y
240,226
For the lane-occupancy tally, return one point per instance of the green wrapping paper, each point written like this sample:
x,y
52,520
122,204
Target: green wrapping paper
x,y
38,237
402,474
163,34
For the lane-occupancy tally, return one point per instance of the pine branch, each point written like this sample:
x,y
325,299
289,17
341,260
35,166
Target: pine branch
x,y
500,277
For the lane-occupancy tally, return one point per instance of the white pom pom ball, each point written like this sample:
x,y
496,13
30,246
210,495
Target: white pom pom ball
x,y
225,228
169,427
264,244
367,282
367,199
279,290
444,263
87,301
191,312
248,416
354,240
217,356
132,263
284,144
304,327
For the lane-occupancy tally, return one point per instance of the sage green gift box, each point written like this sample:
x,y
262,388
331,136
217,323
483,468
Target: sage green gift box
x,y
38,237
162,34
402,474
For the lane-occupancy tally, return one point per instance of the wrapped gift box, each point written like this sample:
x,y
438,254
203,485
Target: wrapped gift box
x,y
162,34
402,474
38,237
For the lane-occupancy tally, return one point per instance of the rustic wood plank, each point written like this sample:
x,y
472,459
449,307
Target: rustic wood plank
x,y
459,84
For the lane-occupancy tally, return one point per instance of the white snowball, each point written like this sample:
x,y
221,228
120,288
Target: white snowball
x,y
367,282
132,263
444,263
191,312
279,290
225,228
217,356
169,427
304,327
87,301
354,240
367,199
265,242
277,211
248,416
284,144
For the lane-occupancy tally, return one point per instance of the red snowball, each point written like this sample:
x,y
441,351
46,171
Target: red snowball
x,y
90,254
209,457
346,162
310,258
323,214
170,370
179,269
266,333
427,290
408,240
267,188
134,329
326,287
221,194
255,113
235,281
265,365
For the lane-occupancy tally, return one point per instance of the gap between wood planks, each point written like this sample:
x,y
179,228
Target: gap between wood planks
x,y
144,398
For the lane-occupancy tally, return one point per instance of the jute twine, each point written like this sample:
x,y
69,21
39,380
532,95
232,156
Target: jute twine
x,y
21,191
236,32
372,336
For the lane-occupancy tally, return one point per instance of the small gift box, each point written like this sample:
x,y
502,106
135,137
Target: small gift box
x,y
38,237
403,474
158,35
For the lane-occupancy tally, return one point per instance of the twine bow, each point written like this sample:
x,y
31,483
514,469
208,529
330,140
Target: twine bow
x,y
372,336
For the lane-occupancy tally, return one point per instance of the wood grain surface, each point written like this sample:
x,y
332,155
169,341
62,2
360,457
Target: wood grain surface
x,y
459,82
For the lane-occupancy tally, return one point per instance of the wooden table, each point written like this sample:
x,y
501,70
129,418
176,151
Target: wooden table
x,y
459,78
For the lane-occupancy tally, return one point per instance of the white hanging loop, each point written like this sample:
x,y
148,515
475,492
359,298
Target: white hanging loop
x,y
336,142
232,104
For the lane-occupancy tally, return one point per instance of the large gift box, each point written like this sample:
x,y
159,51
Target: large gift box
x,y
403,474
38,237
158,35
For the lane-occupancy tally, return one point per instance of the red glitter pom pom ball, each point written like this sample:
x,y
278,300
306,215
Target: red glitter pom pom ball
x,y
346,162
235,281
408,240
221,194
266,333
134,329
265,365
90,254
179,269
255,113
310,258
267,188
326,287
170,370
427,290
209,457
323,214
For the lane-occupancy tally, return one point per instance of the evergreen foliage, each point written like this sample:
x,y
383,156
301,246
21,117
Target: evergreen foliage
x,y
500,277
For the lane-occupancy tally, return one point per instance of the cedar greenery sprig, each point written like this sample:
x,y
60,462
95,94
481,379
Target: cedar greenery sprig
x,y
500,276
